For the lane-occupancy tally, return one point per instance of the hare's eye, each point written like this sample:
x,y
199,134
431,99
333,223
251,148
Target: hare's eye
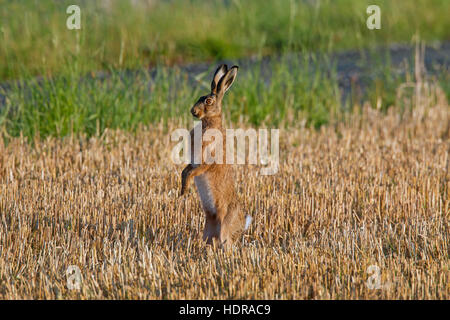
x,y
209,101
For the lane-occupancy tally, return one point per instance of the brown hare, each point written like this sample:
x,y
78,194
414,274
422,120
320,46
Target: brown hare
x,y
215,181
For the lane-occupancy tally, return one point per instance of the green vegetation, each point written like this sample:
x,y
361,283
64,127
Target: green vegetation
x,y
63,105
119,34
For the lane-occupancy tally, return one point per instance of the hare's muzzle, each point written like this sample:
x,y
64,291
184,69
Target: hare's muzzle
x,y
195,112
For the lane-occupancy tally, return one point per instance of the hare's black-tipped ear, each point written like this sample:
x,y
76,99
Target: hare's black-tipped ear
x,y
227,80
220,72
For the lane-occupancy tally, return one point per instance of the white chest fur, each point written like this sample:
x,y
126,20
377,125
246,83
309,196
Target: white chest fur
x,y
205,193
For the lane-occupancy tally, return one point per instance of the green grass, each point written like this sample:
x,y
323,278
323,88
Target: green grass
x,y
63,105
35,41
297,92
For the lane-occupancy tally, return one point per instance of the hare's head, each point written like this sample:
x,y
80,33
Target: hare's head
x,y
211,105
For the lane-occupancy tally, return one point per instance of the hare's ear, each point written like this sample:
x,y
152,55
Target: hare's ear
x,y
220,72
226,81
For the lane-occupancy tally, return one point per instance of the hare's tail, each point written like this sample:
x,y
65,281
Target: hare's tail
x,y
248,221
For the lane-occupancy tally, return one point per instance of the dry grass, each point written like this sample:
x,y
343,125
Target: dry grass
x,y
374,191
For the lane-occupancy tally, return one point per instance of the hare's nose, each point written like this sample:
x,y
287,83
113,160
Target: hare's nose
x,y
194,112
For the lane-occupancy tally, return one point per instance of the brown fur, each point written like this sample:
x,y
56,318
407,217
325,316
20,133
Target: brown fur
x,y
227,220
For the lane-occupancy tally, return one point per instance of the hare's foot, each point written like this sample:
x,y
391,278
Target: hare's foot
x,y
212,230
226,239
185,179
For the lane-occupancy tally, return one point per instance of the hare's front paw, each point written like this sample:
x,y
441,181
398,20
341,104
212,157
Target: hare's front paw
x,y
182,192
184,181
183,187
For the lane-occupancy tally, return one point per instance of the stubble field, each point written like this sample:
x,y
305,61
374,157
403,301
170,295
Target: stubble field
x,y
357,210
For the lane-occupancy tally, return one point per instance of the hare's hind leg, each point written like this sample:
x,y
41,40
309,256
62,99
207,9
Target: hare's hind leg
x,y
223,227
232,224
215,230
225,238
212,229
